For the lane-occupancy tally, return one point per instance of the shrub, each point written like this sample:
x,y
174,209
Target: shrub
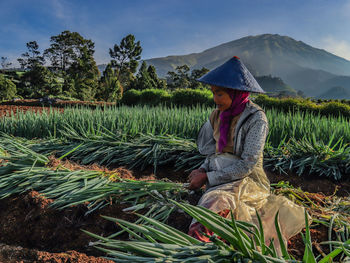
x,y
189,97
7,88
154,97
326,108
335,109
131,97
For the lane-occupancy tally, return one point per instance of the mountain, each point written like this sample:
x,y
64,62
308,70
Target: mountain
x,y
301,66
336,93
336,81
274,86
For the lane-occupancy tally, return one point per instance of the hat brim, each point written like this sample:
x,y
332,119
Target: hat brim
x,y
233,75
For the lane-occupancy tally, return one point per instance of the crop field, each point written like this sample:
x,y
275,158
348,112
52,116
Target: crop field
x,y
109,184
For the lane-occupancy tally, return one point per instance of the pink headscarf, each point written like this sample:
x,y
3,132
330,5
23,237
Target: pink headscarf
x,y
239,101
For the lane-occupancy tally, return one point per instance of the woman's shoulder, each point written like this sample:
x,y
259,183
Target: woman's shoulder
x,y
257,112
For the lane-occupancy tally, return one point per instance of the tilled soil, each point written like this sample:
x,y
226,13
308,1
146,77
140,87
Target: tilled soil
x,y
11,110
32,231
313,184
28,221
17,254
57,103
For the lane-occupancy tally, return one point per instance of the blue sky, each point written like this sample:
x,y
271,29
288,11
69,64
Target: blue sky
x,y
173,27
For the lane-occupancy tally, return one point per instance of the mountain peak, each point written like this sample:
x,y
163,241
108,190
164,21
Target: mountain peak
x,y
267,54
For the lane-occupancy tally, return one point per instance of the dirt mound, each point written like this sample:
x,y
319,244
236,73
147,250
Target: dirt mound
x,y
11,110
55,103
313,184
116,173
28,220
35,232
17,254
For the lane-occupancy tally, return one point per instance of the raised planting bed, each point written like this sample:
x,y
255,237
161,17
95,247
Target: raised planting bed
x,y
32,230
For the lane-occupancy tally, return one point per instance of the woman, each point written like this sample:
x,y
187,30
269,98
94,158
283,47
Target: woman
x,y
233,140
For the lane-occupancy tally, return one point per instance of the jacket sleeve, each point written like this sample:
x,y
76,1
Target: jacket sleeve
x,y
205,164
252,148
206,143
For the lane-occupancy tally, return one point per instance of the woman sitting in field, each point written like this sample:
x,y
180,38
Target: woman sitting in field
x,y
233,140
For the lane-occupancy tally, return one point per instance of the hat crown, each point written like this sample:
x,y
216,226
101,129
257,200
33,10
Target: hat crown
x,y
232,74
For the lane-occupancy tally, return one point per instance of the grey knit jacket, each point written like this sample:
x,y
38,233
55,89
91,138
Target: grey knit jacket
x,y
247,159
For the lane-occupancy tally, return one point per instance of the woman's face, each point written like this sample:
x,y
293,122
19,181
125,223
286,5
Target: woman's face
x,y
221,98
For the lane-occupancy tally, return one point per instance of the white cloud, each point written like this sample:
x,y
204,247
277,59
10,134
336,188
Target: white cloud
x,y
340,48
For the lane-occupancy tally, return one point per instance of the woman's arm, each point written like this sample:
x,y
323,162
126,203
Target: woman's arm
x,y
252,149
205,164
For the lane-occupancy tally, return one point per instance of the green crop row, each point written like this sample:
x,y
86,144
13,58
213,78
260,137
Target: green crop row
x,y
183,122
183,97
140,136
204,97
150,239
329,108
188,97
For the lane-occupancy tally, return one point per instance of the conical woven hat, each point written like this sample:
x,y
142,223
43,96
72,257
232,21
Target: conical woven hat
x,y
234,75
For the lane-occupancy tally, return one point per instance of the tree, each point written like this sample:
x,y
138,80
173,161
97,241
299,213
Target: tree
x,y
31,58
66,48
7,88
84,75
110,88
196,74
39,82
179,78
143,79
182,78
125,58
160,84
71,57
5,64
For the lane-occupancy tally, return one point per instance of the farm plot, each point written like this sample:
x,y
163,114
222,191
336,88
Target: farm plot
x,y
11,110
73,196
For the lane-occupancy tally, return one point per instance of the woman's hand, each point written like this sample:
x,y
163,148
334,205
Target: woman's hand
x,y
197,179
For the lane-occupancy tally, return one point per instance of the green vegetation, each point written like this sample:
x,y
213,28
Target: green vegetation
x,y
147,78
110,87
305,137
182,79
151,240
243,242
73,71
181,97
28,170
125,59
183,122
7,88
141,136
335,108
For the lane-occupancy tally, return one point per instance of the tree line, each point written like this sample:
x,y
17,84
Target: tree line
x,y
71,71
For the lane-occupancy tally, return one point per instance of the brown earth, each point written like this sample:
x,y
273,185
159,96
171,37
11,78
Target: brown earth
x,y
17,254
313,184
10,110
28,221
58,104
31,231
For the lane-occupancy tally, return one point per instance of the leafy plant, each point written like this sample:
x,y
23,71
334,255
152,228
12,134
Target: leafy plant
x,y
243,242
